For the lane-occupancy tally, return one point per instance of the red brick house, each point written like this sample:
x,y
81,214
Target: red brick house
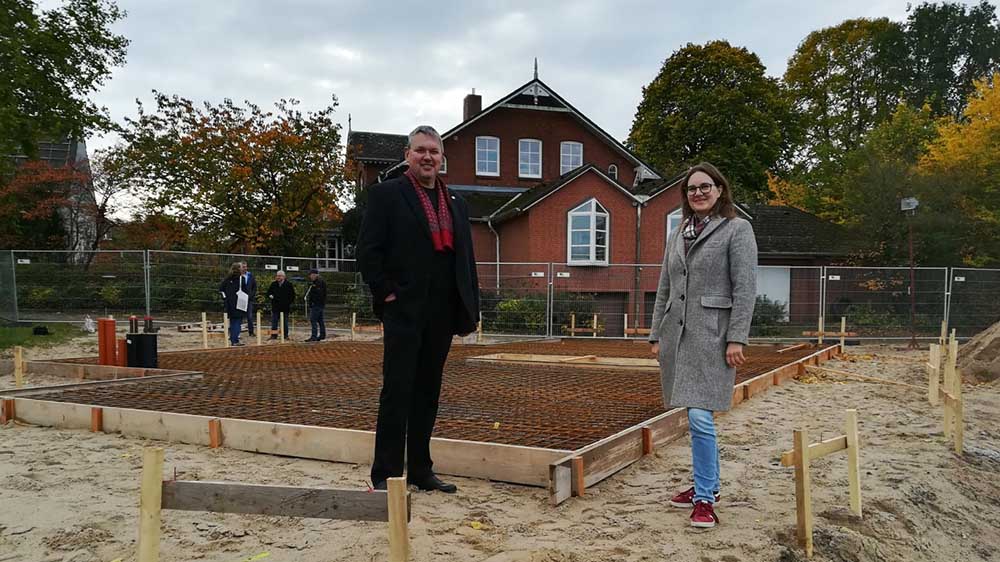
x,y
546,185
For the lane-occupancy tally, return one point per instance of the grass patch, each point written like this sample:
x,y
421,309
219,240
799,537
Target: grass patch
x,y
11,336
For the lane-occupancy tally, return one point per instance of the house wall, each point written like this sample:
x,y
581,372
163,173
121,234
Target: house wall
x,y
511,125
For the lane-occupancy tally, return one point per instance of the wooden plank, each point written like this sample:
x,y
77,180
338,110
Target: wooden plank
x,y
591,360
959,414
7,410
398,515
18,366
793,347
647,441
821,334
96,420
785,373
853,461
150,501
33,391
758,385
637,331
579,485
933,374
803,494
578,359
277,501
204,330
843,332
55,414
817,450
560,483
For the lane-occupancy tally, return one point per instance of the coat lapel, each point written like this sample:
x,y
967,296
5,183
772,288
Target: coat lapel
x,y
679,242
410,196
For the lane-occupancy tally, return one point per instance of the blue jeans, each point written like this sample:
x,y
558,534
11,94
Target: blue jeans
x,y
249,313
316,322
235,322
704,454
276,318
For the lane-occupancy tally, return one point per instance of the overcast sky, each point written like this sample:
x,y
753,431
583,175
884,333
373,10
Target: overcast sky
x,y
393,65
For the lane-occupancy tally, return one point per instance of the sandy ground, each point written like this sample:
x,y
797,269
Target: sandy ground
x,y
73,496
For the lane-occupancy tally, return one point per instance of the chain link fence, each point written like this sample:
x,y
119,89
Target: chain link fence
x,y
517,299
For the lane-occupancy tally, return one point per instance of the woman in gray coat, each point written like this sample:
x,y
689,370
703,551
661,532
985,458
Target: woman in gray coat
x,y
701,322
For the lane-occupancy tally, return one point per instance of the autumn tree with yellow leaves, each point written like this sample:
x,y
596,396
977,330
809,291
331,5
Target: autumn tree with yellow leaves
x,y
252,180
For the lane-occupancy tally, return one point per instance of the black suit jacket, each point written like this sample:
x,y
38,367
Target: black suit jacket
x,y
395,252
282,296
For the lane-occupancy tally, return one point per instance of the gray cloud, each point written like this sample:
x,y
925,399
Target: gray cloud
x,y
393,64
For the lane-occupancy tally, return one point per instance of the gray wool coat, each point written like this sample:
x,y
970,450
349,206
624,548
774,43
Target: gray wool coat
x,y
705,300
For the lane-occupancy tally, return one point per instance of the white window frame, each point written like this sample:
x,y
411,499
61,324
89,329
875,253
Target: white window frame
x,y
613,171
444,165
563,166
520,158
591,209
480,171
677,214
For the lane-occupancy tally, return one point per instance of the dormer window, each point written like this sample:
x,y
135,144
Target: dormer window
x,y
529,158
444,165
613,172
570,156
487,156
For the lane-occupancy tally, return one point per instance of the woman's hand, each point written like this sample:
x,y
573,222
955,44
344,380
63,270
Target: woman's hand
x,y
734,354
656,348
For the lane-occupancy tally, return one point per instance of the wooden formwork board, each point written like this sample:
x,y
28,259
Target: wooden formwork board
x,y
495,461
172,375
87,371
631,363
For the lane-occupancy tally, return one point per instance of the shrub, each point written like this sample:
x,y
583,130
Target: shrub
x,y
768,316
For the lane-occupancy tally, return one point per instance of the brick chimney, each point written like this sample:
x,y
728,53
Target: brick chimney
x,y
472,105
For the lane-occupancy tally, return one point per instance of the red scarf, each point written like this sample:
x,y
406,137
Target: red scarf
x,y
440,222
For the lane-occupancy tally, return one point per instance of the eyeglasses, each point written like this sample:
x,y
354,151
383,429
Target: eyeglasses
x,y
704,188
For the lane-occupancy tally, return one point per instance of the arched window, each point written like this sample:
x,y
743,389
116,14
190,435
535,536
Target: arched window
x,y
613,172
587,234
444,164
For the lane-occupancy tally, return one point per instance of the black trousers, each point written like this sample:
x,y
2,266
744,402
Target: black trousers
x,y
414,354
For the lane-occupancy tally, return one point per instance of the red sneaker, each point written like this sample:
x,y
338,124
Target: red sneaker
x,y
704,516
686,498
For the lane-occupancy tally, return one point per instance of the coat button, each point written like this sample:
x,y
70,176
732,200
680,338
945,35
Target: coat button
x,y
682,297
684,272
681,322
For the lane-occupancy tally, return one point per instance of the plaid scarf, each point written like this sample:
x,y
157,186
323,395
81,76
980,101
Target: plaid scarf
x,y
692,229
440,222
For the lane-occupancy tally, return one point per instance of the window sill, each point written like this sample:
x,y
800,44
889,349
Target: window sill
x,y
524,177
588,263
486,175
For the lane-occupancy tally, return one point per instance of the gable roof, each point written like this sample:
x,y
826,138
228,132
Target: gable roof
x,y
536,95
376,147
789,231
529,199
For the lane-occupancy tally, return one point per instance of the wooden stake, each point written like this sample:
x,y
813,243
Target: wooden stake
x,y
7,411
843,330
215,433
949,384
354,322
225,329
18,367
944,332
959,414
122,353
933,374
803,496
399,537
626,325
853,461
578,480
149,504
572,324
281,327
96,420
260,333
204,330
479,328
821,328
647,441
595,325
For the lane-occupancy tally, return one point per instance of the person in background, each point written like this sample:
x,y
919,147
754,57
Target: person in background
x,y
249,285
230,289
701,322
316,304
281,293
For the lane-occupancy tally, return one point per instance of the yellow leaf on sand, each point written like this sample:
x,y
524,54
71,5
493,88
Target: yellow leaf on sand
x,y
476,525
257,557
496,425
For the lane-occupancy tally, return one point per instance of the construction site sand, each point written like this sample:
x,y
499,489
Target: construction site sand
x,y
979,358
72,496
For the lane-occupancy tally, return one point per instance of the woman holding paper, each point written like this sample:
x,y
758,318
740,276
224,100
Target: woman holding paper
x,y
235,301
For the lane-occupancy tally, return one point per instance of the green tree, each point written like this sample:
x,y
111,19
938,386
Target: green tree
x,y
843,81
714,102
251,180
52,60
950,45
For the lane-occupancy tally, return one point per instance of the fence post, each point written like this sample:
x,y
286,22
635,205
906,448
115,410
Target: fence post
x,y
147,267
150,502
204,330
550,307
13,277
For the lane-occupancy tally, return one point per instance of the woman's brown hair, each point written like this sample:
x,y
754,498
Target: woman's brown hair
x,y
724,205
235,270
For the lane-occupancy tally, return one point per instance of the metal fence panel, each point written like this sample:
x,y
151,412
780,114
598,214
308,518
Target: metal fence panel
x,y
66,286
789,300
513,298
877,300
975,300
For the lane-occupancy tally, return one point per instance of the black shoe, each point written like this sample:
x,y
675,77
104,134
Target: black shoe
x,y
310,339
251,334
380,485
321,339
273,337
432,483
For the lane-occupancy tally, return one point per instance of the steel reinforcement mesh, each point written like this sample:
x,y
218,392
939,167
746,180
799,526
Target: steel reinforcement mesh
x,y
337,383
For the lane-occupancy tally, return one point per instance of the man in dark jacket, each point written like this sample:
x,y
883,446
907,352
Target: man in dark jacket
x,y
248,284
415,253
281,293
316,303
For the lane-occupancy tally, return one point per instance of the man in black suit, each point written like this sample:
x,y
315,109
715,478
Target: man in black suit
x,y
316,304
281,294
415,253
